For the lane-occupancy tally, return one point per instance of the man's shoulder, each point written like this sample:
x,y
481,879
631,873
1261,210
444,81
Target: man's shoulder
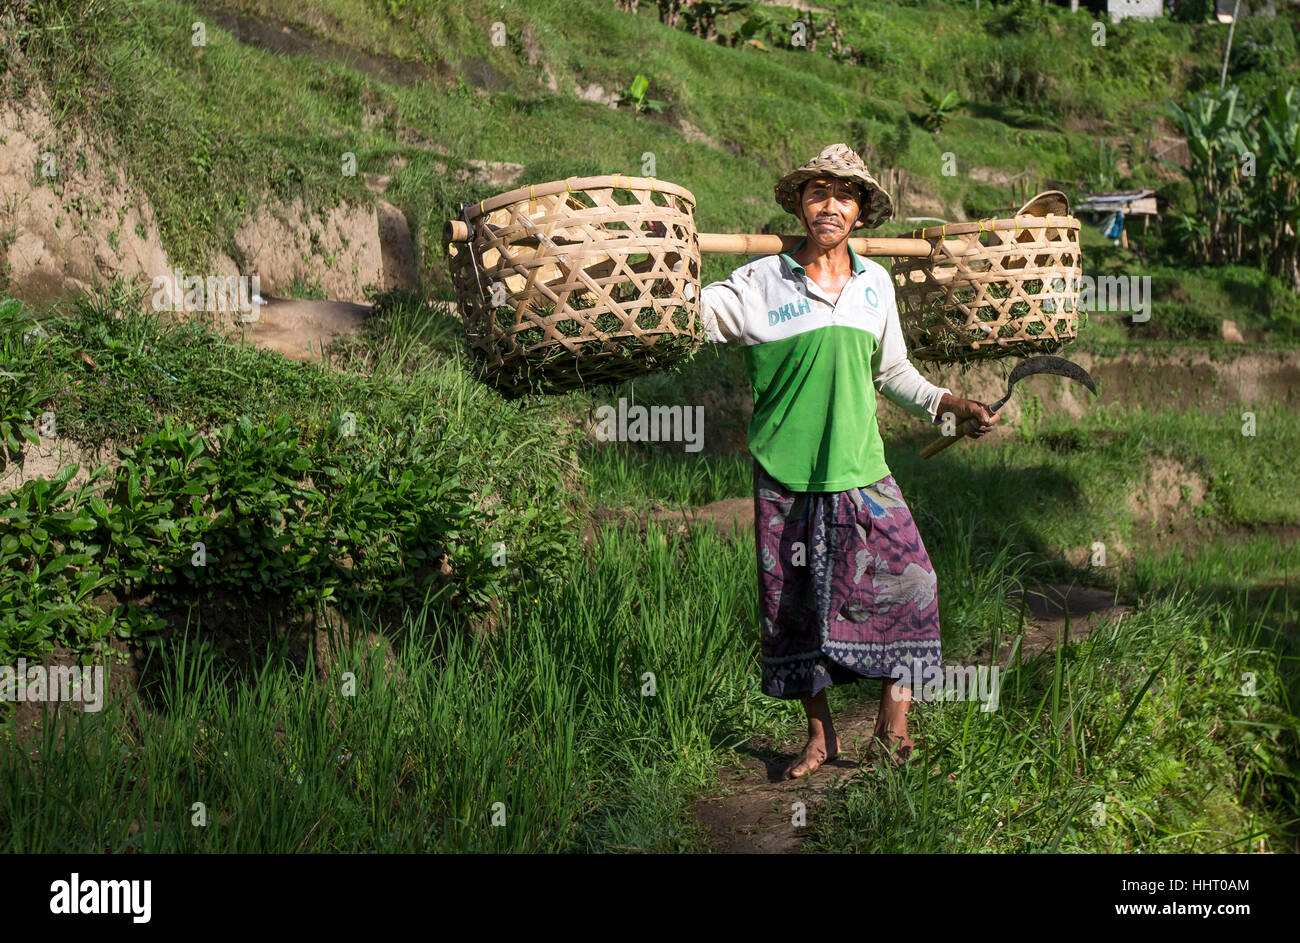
x,y
756,272
874,269
757,267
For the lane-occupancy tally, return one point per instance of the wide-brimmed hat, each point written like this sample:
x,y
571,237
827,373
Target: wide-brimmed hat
x,y
838,160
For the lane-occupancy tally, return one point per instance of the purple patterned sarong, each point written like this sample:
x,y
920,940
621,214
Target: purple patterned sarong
x,y
846,588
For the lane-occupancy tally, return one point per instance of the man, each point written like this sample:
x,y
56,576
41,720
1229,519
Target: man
x,y
846,587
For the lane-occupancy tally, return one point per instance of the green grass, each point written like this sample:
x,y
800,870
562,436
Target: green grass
x,y
165,104
1059,483
550,720
627,476
1252,578
1142,738
1066,482
408,368
1224,565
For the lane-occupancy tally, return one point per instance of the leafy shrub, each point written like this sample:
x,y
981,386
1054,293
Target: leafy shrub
x,y
22,391
264,529
144,517
1262,47
49,571
1190,11
395,503
257,516
277,519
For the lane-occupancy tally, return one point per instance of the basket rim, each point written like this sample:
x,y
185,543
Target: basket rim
x,y
618,181
990,224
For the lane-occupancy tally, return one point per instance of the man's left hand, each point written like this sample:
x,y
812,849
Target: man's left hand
x,y
974,417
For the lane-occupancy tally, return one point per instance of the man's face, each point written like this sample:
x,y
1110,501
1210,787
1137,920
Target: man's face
x,y
829,208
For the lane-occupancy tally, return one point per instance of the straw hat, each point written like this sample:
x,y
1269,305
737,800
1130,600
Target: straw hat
x,y
837,160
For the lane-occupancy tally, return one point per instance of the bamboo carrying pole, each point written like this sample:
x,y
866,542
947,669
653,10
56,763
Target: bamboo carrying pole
x,y
727,243
576,308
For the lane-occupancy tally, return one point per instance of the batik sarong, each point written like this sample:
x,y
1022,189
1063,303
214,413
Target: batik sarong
x,y
846,588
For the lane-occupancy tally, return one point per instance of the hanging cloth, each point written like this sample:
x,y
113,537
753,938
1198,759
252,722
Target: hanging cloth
x,y
1114,225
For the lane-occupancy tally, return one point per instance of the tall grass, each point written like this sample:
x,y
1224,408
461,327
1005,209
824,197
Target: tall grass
x,y
1142,738
625,476
605,707
555,721
1057,485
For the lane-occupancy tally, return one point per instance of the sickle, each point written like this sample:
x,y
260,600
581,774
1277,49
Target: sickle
x,y
1026,368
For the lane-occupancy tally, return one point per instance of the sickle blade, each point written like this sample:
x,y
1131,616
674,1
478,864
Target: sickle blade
x,y
1053,365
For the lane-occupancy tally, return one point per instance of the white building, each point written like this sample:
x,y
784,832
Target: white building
x,y
1142,9
1118,9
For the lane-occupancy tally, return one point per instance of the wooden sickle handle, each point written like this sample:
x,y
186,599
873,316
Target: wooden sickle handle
x,y
941,443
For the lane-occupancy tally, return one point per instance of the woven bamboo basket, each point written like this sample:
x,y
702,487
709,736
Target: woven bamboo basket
x,y
1010,287
562,285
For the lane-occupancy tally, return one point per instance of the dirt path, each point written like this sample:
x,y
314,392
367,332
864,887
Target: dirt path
x,y
754,815
732,516
301,329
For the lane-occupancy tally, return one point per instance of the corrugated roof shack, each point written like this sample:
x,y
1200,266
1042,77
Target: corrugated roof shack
x,y
1114,209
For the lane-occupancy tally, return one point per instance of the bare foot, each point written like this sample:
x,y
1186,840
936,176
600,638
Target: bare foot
x,y
814,755
896,748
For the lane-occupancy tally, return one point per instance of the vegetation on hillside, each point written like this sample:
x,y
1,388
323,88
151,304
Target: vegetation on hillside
x,y
237,482
1044,98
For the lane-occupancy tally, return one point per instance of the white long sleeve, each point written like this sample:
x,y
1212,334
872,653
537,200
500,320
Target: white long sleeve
x,y
895,377
722,305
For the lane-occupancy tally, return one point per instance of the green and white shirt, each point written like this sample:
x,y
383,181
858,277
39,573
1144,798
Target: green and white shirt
x,y
816,363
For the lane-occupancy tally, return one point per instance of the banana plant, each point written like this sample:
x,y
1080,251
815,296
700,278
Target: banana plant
x,y
1215,126
702,15
635,96
1279,157
938,109
1245,173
